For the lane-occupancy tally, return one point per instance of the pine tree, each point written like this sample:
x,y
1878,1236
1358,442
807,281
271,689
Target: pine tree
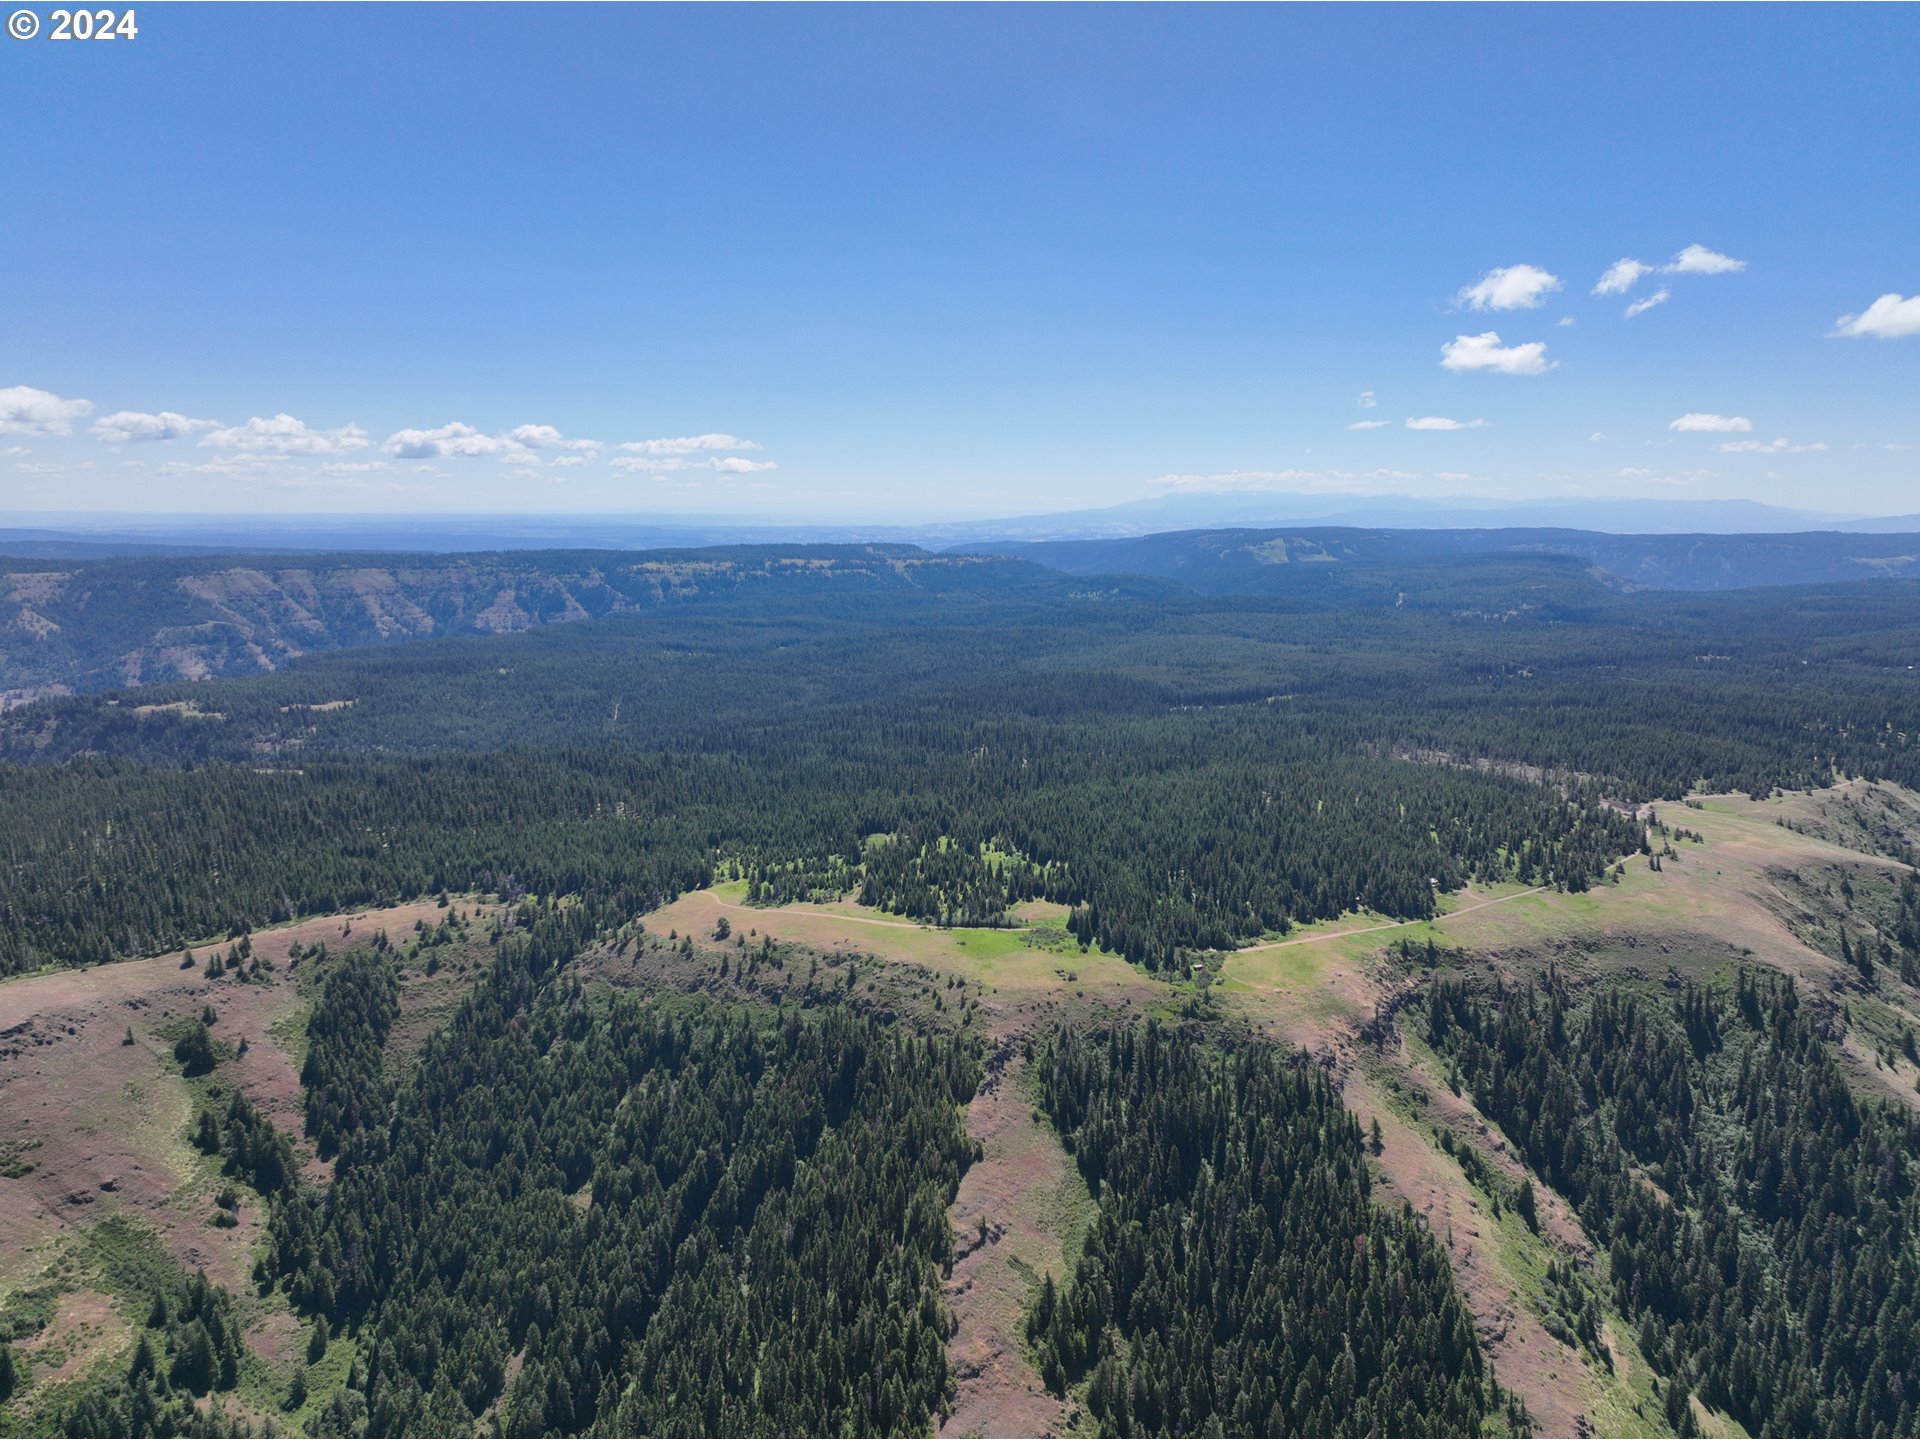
x,y
194,1050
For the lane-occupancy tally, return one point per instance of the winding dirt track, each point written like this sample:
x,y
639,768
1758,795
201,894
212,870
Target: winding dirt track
x,y
815,911
1389,925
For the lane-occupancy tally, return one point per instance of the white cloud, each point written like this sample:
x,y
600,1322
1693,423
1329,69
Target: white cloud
x,y
1782,446
1698,420
135,427
1698,260
521,445
1640,307
1566,320
1369,425
13,450
1512,287
239,467
1441,422
688,444
49,467
670,464
27,411
1485,352
1366,400
1621,277
1652,477
354,467
1888,318
284,435
452,440
1596,437
545,437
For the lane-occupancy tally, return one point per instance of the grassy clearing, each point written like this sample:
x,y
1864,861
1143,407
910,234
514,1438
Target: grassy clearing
x,y
1031,961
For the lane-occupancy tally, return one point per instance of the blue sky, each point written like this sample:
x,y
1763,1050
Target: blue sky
x,y
907,263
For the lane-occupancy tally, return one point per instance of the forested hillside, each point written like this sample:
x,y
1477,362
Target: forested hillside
x,y
1238,1280
1760,1220
649,1219
673,1219
1086,748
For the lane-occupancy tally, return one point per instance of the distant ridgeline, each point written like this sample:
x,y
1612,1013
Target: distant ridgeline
x,y
1366,566
72,626
949,737
90,621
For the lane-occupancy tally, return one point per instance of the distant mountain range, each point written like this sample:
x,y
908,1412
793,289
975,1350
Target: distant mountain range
x,y
1345,561
1405,512
95,536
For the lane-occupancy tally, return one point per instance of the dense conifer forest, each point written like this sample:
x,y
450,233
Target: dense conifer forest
x,y
1186,773
679,1218
1238,1279
1759,1220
